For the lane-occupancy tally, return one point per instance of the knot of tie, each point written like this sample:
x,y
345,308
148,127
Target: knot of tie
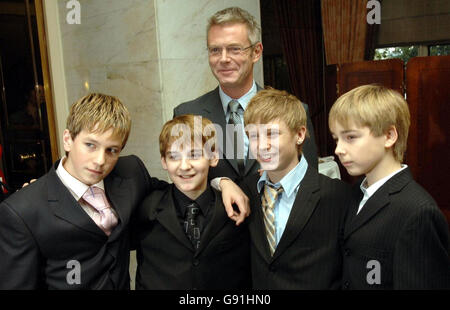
x,y
234,106
96,198
270,195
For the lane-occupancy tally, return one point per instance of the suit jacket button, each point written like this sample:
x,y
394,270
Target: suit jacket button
x,y
196,262
346,286
272,268
347,252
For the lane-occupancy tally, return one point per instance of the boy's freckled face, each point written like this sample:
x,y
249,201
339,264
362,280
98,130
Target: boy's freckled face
x,y
358,149
275,146
188,169
92,156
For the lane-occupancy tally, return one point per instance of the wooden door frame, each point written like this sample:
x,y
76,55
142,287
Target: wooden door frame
x,y
47,80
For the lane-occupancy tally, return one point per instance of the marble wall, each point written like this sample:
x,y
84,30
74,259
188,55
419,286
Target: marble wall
x,y
149,53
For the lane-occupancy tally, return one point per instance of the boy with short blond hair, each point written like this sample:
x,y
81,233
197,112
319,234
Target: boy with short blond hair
x,y
69,229
184,238
297,214
395,236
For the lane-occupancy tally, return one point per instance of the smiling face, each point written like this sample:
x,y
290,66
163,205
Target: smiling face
x,y
188,169
234,72
275,147
91,156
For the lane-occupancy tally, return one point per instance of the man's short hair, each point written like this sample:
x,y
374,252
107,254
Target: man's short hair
x,y
236,15
376,107
97,112
188,128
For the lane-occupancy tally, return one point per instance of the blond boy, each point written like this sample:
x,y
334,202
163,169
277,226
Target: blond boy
x,y
395,236
69,229
297,214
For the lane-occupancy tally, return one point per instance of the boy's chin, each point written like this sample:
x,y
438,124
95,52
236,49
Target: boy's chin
x,y
269,166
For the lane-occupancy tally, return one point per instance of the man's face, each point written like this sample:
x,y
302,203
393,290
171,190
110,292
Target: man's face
x,y
275,147
232,71
91,156
359,151
188,168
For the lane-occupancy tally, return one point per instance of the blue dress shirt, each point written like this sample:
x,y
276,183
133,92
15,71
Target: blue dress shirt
x,y
283,205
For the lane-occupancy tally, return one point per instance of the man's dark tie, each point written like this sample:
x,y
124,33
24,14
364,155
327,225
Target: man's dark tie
x,y
191,227
236,120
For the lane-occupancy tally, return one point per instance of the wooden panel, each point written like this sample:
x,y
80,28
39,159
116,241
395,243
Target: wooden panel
x,y
428,154
385,72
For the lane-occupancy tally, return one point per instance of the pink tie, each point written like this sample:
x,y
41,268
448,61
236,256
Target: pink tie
x,y
96,197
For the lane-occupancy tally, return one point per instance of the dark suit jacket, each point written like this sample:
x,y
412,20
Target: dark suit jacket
x,y
43,228
210,106
308,255
167,259
402,228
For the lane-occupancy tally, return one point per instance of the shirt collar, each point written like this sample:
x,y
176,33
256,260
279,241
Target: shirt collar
x,y
243,101
203,201
290,181
76,187
369,191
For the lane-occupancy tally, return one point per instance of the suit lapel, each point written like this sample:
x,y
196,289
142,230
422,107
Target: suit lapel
x,y
218,220
302,209
379,200
256,222
166,215
66,207
257,228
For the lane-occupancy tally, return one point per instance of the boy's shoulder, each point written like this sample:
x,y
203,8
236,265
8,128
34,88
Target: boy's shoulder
x,y
127,166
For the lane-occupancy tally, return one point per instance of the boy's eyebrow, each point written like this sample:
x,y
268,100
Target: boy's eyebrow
x,y
92,140
348,131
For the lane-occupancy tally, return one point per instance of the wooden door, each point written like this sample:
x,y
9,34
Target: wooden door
x,y
428,153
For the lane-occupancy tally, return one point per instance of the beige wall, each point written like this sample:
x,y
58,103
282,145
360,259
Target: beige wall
x,y
149,53
414,21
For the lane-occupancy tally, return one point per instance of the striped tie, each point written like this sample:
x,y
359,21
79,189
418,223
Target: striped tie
x,y
235,119
268,202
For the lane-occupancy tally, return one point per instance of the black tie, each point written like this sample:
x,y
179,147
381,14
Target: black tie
x,y
236,120
191,227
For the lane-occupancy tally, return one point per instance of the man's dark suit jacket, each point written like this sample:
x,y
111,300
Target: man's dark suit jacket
x,y
308,255
167,259
210,106
43,228
402,228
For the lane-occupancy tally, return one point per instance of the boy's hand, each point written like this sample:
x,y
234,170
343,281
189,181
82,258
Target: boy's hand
x,y
26,184
232,194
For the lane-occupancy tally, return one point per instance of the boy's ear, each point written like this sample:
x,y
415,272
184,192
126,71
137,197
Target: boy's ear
x,y
301,135
215,160
391,137
163,163
67,140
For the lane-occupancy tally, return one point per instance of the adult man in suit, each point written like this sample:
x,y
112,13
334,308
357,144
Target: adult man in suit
x,y
69,229
234,47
